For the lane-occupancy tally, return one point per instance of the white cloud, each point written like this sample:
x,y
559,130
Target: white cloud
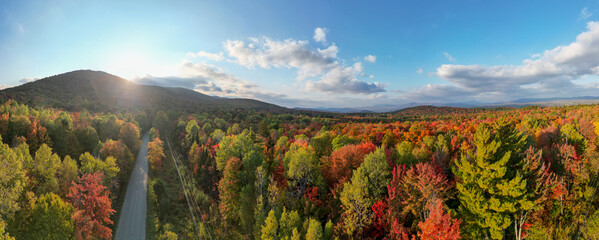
x,y
203,54
370,58
309,63
344,80
449,57
320,35
28,80
549,74
584,14
210,80
419,70
4,86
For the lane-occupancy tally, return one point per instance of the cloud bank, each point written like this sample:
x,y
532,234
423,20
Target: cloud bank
x,y
210,80
554,73
323,64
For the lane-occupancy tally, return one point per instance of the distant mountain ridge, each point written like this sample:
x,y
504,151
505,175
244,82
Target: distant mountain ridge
x,y
523,102
100,91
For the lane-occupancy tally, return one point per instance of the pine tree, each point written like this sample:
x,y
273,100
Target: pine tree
x,y
491,186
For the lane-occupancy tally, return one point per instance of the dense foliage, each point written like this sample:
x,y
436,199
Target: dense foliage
x,y
424,173
47,194
528,173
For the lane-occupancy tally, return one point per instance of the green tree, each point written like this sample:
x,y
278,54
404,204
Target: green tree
x,y
161,121
356,204
322,144
129,134
107,127
12,181
58,130
302,167
377,173
192,132
144,122
328,230
341,140
269,230
90,165
86,139
235,146
3,234
229,188
314,231
295,235
368,183
43,174
50,219
404,151
289,220
67,174
490,184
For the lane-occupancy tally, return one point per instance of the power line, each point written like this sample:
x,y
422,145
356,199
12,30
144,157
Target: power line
x,y
193,217
189,180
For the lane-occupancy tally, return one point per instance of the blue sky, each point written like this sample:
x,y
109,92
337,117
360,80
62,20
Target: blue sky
x,y
314,53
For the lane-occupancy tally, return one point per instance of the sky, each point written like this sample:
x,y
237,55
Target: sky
x,y
314,53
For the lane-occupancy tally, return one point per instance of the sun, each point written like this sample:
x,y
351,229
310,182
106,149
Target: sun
x,y
131,63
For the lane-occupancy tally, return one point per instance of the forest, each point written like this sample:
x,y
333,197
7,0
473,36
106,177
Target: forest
x,y
423,173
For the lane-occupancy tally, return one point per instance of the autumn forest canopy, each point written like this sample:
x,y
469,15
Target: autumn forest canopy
x,y
249,170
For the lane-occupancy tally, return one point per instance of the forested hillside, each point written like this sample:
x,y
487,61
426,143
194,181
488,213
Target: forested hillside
x,y
63,173
431,173
102,92
527,173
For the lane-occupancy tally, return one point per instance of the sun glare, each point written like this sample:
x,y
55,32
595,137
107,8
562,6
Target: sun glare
x,y
131,64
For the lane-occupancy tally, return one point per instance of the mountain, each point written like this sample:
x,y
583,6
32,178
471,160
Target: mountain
x,y
100,91
523,102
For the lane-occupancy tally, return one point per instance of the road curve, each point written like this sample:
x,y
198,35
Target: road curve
x,y
132,223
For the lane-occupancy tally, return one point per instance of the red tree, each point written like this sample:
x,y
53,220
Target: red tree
x,y
439,226
344,160
92,207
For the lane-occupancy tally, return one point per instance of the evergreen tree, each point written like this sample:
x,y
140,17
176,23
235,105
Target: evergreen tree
x,y
490,183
